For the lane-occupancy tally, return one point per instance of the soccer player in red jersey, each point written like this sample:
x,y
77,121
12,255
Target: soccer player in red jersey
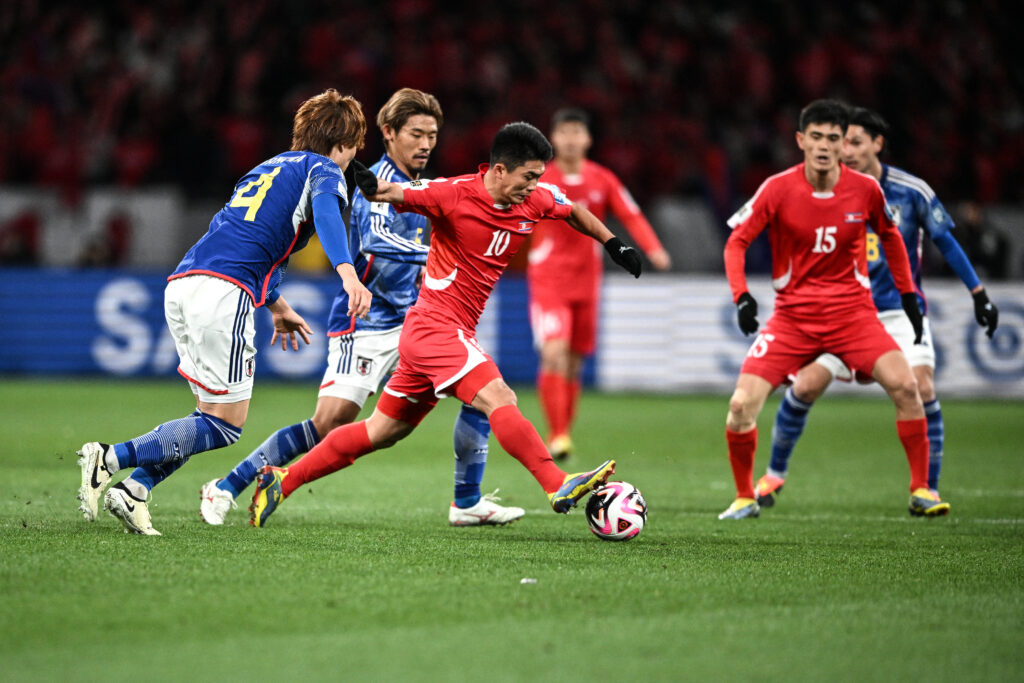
x,y
564,272
478,222
817,212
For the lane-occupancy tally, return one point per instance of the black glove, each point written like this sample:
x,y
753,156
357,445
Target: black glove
x,y
909,301
364,178
985,312
624,256
746,313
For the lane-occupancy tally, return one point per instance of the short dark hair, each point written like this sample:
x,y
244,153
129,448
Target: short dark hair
x,y
519,142
871,121
569,115
825,111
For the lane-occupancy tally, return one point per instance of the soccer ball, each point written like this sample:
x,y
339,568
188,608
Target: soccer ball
x,y
616,512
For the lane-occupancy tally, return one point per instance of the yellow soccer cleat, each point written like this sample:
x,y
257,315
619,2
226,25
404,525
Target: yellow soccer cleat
x,y
926,503
576,486
267,496
741,508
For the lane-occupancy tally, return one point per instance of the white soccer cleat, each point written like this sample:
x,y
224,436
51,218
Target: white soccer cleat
x,y
132,512
95,477
486,511
214,503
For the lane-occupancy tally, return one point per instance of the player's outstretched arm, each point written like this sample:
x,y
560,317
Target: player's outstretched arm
x,y
375,189
581,220
286,324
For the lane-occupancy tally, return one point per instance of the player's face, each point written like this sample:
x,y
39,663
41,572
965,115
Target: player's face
x,y
411,146
571,140
860,150
822,143
517,184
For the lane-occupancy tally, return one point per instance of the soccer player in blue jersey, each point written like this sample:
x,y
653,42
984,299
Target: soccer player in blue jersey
x,y
389,254
918,211
211,296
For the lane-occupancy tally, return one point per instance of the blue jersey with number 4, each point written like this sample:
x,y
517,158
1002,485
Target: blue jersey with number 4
x,y
388,252
916,211
269,216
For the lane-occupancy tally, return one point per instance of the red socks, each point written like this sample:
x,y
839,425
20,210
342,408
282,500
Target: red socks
x,y
914,437
518,437
337,450
742,447
556,400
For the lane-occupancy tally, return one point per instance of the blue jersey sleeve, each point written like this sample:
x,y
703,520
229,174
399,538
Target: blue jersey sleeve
x,y
331,228
939,226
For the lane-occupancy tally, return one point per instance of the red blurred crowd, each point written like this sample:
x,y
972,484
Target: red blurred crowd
x,y
688,98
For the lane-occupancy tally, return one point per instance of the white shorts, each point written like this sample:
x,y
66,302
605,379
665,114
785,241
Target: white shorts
x,y
358,363
214,331
897,324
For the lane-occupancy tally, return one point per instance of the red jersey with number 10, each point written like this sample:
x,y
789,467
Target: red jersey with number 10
x,y
569,263
819,258
472,240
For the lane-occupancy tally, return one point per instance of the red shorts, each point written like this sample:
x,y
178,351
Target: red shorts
x,y
788,342
435,360
572,320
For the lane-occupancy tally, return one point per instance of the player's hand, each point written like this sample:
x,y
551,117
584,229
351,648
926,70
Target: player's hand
x,y
909,301
985,312
624,256
286,324
746,313
364,177
359,297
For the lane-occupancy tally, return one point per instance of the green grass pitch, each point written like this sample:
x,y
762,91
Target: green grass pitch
x,y
358,577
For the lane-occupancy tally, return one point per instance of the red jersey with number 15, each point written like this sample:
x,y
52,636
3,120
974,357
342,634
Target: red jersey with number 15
x,y
472,240
569,263
819,258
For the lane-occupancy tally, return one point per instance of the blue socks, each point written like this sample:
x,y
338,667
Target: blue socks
x,y
177,440
470,436
158,453
279,449
936,437
789,425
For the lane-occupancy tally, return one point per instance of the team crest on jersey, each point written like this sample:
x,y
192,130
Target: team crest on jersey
x,y
938,214
364,365
526,226
855,217
250,366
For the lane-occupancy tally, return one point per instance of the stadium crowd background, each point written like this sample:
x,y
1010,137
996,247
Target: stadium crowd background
x,y
690,99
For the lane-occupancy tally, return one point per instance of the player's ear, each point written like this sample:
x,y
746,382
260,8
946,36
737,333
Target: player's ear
x,y
388,132
800,139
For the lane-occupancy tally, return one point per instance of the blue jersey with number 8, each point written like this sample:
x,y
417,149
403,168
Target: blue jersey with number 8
x,y
269,216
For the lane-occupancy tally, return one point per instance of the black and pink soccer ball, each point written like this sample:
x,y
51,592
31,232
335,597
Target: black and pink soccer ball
x,y
617,511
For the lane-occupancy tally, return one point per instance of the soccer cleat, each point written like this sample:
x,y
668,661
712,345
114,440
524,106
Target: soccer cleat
x,y
768,489
741,508
95,477
267,495
485,512
925,503
560,447
575,486
214,503
132,512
